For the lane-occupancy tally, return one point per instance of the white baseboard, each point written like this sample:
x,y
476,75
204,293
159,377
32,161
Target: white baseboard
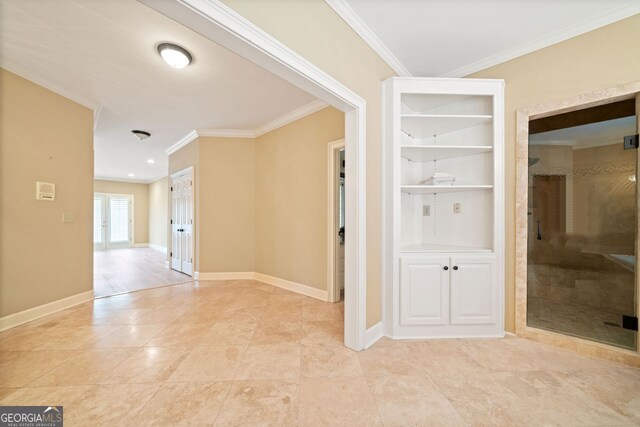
x,y
373,334
299,288
224,276
34,313
140,245
158,247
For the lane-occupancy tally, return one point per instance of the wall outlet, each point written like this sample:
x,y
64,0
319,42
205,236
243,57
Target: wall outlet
x,y
68,217
457,207
426,210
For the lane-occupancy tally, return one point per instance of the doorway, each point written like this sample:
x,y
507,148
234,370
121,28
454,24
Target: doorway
x,y
336,192
112,221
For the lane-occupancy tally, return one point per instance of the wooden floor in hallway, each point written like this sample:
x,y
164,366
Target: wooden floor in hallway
x,y
131,269
246,353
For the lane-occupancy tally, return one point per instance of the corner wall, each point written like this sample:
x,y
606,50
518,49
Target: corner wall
x,y
158,220
43,137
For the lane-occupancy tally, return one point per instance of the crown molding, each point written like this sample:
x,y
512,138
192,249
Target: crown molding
x,y
290,117
184,141
357,24
226,133
127,180
548,40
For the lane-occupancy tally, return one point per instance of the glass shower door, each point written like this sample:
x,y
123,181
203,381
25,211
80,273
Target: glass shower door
x,y
582,231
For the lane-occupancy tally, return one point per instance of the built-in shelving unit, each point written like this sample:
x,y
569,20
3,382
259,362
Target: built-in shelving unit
x,y
443,240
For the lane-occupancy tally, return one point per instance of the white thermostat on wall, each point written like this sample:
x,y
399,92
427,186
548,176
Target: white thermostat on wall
x,y
45,191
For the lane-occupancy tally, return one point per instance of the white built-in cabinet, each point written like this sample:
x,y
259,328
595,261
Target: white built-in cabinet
x,y
443,243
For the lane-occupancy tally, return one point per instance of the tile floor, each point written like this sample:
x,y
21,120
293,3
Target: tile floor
x,y
131,269
246,353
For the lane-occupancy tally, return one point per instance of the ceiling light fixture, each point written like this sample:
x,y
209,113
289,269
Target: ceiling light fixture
x,y
151,161
132,174
174,55
141,134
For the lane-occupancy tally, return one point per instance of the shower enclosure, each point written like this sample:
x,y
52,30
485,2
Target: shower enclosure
x,y
582,212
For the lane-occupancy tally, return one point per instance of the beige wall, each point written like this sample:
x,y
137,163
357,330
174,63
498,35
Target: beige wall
x,y
227,204
140,194
596,60
43,137
158,202
315,31
291,198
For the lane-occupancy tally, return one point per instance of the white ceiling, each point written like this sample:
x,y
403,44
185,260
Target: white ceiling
x,y
591,135
102,54
431,38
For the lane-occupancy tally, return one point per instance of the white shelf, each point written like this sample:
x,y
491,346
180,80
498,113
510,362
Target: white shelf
x,y
427,125
430,189
426,247
420,103
427,153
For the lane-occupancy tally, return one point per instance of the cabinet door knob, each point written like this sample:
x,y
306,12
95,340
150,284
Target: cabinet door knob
x,y
455,267
446,268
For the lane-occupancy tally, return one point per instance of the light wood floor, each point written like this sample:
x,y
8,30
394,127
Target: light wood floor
x,y
246,353
126,270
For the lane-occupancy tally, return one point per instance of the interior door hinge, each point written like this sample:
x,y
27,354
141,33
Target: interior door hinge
x,y
630,322
631,142
171,188
171,221
171,254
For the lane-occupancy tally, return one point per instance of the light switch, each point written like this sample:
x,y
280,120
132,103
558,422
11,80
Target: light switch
x,y
68,217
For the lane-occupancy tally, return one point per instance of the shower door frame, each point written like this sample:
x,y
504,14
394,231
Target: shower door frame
x,y
523,116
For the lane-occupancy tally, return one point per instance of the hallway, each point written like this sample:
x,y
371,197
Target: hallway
x,y
126,270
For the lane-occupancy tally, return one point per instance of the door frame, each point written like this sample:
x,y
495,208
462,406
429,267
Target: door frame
x,y
107,228
222,25
188,170
523,116
333,148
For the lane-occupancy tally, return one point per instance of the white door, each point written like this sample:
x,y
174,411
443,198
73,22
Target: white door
x,y
182,222
474,290
424,290
99,222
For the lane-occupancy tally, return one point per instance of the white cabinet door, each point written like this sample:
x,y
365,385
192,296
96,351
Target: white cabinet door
x,y
424,290
474,292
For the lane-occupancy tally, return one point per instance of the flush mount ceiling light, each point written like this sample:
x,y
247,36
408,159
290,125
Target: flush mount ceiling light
x,y
151,161
174,55
141,134
132,174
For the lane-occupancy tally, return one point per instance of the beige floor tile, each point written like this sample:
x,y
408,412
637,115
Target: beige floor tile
x,y
86,367
441,357
206,364
183,404
322,331
131,336
75,338
270,361
229,333
159,316
328,311
396,358
272,332
254,402
18,369
241,314
405,400
618,387
22,338
337,401
45,396
283,312
109,405
329,360
148,365
180,335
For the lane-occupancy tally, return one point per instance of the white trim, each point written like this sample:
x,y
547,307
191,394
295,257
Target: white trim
x,y
96,117
217,22
34,313
226,133
140,245
547,40
357,24
331,222
127,180
291,116
292,286
184,141
224,276
373,334
158,247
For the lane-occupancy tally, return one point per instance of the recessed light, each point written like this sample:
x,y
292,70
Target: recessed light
x,y
151,161
174,55
140,134
132,174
